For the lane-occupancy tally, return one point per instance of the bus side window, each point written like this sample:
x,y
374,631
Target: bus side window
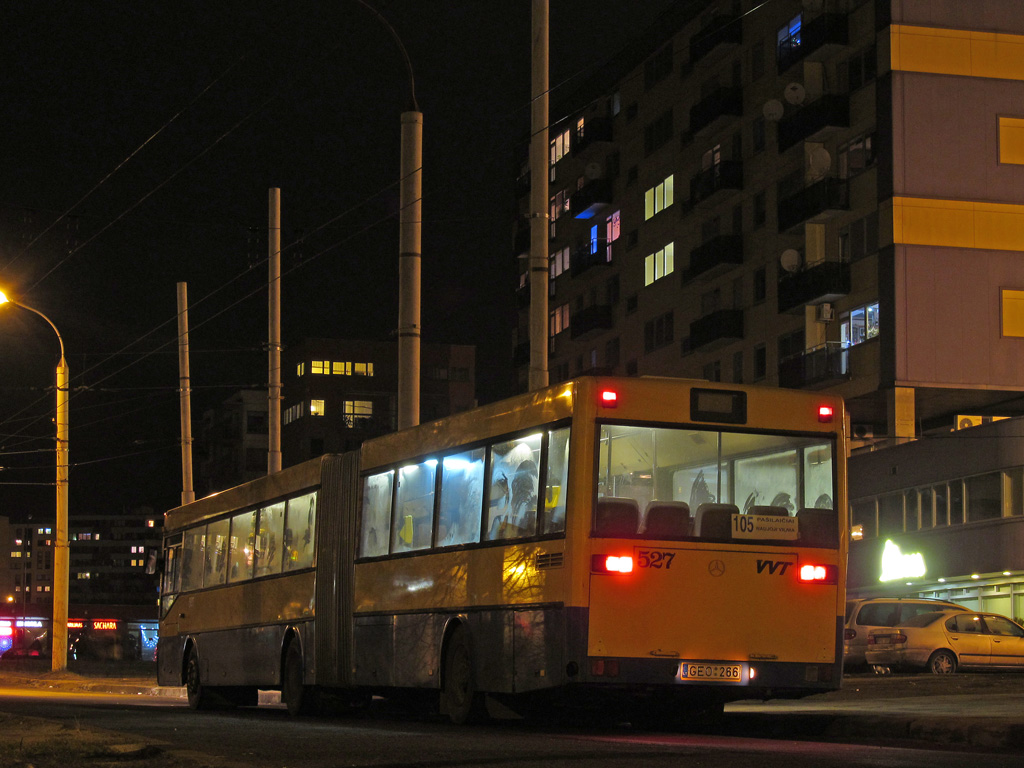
x,y
555,483
172,567
376,517
462,493
300,532
217,552
268,539
241,555
512,500
192,558
414,507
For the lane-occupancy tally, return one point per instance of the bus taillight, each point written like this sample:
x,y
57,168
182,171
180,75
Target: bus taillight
x,y
825,414
819,574
609,398
611,564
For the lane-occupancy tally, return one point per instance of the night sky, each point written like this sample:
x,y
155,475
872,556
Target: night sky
x,y
139,142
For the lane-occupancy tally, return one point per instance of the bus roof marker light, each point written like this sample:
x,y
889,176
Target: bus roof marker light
x,y
609,398
826,414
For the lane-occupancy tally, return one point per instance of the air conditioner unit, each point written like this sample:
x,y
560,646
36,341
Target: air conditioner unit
x,y
966,422
862,431
826,312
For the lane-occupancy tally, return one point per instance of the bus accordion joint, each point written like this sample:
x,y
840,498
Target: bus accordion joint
x,y
819,574
611,563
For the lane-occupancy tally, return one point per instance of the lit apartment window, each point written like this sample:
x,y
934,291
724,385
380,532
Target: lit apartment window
x,y
659,197
859,325
341,369
46,588
789,37
84,536
316,407
362,369
300,369
151,523
659,264
559,262
16,553
357,410
560,146
558,320
612,230
320,366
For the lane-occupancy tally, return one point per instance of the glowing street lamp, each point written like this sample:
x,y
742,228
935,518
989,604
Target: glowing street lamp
x,y
61,571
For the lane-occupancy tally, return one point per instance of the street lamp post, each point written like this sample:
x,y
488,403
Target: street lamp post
x,y
61,564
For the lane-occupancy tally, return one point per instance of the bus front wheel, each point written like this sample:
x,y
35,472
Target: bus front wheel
x,y
198,696
460,699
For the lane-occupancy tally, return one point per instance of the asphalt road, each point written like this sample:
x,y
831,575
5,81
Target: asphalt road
x,y
266,736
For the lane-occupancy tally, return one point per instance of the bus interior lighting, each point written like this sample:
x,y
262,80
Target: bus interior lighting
x,y
819,574
825,414
612,564
609,398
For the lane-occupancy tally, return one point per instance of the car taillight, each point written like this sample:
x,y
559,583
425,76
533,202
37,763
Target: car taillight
x,y
819,574
849,634
611,563
895,638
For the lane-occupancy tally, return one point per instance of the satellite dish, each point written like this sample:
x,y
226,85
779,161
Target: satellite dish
x,y
790,260
772,110
795,94
593,170
813,5
818,162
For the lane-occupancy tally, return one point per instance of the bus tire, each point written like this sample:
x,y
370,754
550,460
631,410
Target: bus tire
x,y
198,695
297,697
460,699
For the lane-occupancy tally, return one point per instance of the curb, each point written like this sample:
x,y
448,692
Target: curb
x,y
978,732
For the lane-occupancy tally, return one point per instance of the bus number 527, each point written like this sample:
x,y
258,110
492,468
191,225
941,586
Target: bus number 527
x,y
649,558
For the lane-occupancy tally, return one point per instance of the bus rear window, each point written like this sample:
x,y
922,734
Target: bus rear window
x,y
668,483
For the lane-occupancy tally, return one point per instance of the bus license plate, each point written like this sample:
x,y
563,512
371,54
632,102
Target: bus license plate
x,y
713,672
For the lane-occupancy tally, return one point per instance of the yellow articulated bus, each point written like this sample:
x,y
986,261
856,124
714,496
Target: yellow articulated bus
x,y
670,544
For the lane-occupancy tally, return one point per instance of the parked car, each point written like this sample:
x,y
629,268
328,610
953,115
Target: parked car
x,y
944,641
867,614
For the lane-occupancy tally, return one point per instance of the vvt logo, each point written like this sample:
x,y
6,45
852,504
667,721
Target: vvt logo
x,y
773,566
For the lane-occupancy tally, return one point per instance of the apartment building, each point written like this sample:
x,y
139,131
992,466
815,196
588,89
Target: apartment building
x,y
823,194
337,393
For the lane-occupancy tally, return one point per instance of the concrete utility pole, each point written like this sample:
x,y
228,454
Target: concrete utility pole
x,y
539,215
274,341
185,397
410,224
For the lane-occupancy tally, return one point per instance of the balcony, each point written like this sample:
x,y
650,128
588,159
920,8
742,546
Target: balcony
x,y
596,317
818,284
595,130
813,121
818,201
819,367
721,177
521,354
724,33
588,200
582,259
523,297
523,184
713,110
819,38
521,241
716,329
717,255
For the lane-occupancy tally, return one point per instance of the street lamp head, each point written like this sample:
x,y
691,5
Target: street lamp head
x,y
3,298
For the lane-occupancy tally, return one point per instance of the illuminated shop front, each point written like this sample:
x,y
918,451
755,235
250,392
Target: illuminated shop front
x,y
942,517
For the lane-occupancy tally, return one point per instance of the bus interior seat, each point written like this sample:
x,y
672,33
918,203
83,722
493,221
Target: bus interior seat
x,y
667,520
617,516
818,527
714,521
766,510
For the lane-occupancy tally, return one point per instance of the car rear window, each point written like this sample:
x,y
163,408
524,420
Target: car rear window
x,y
922,619
879,615
910,610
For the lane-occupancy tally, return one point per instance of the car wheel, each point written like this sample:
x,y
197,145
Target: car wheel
x,y
460,699
942,663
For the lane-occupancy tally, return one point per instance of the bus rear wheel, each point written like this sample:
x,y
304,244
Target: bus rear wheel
x,y
300,699
460,699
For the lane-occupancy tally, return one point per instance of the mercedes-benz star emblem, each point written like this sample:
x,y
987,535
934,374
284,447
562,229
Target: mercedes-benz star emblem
x,y
716,567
